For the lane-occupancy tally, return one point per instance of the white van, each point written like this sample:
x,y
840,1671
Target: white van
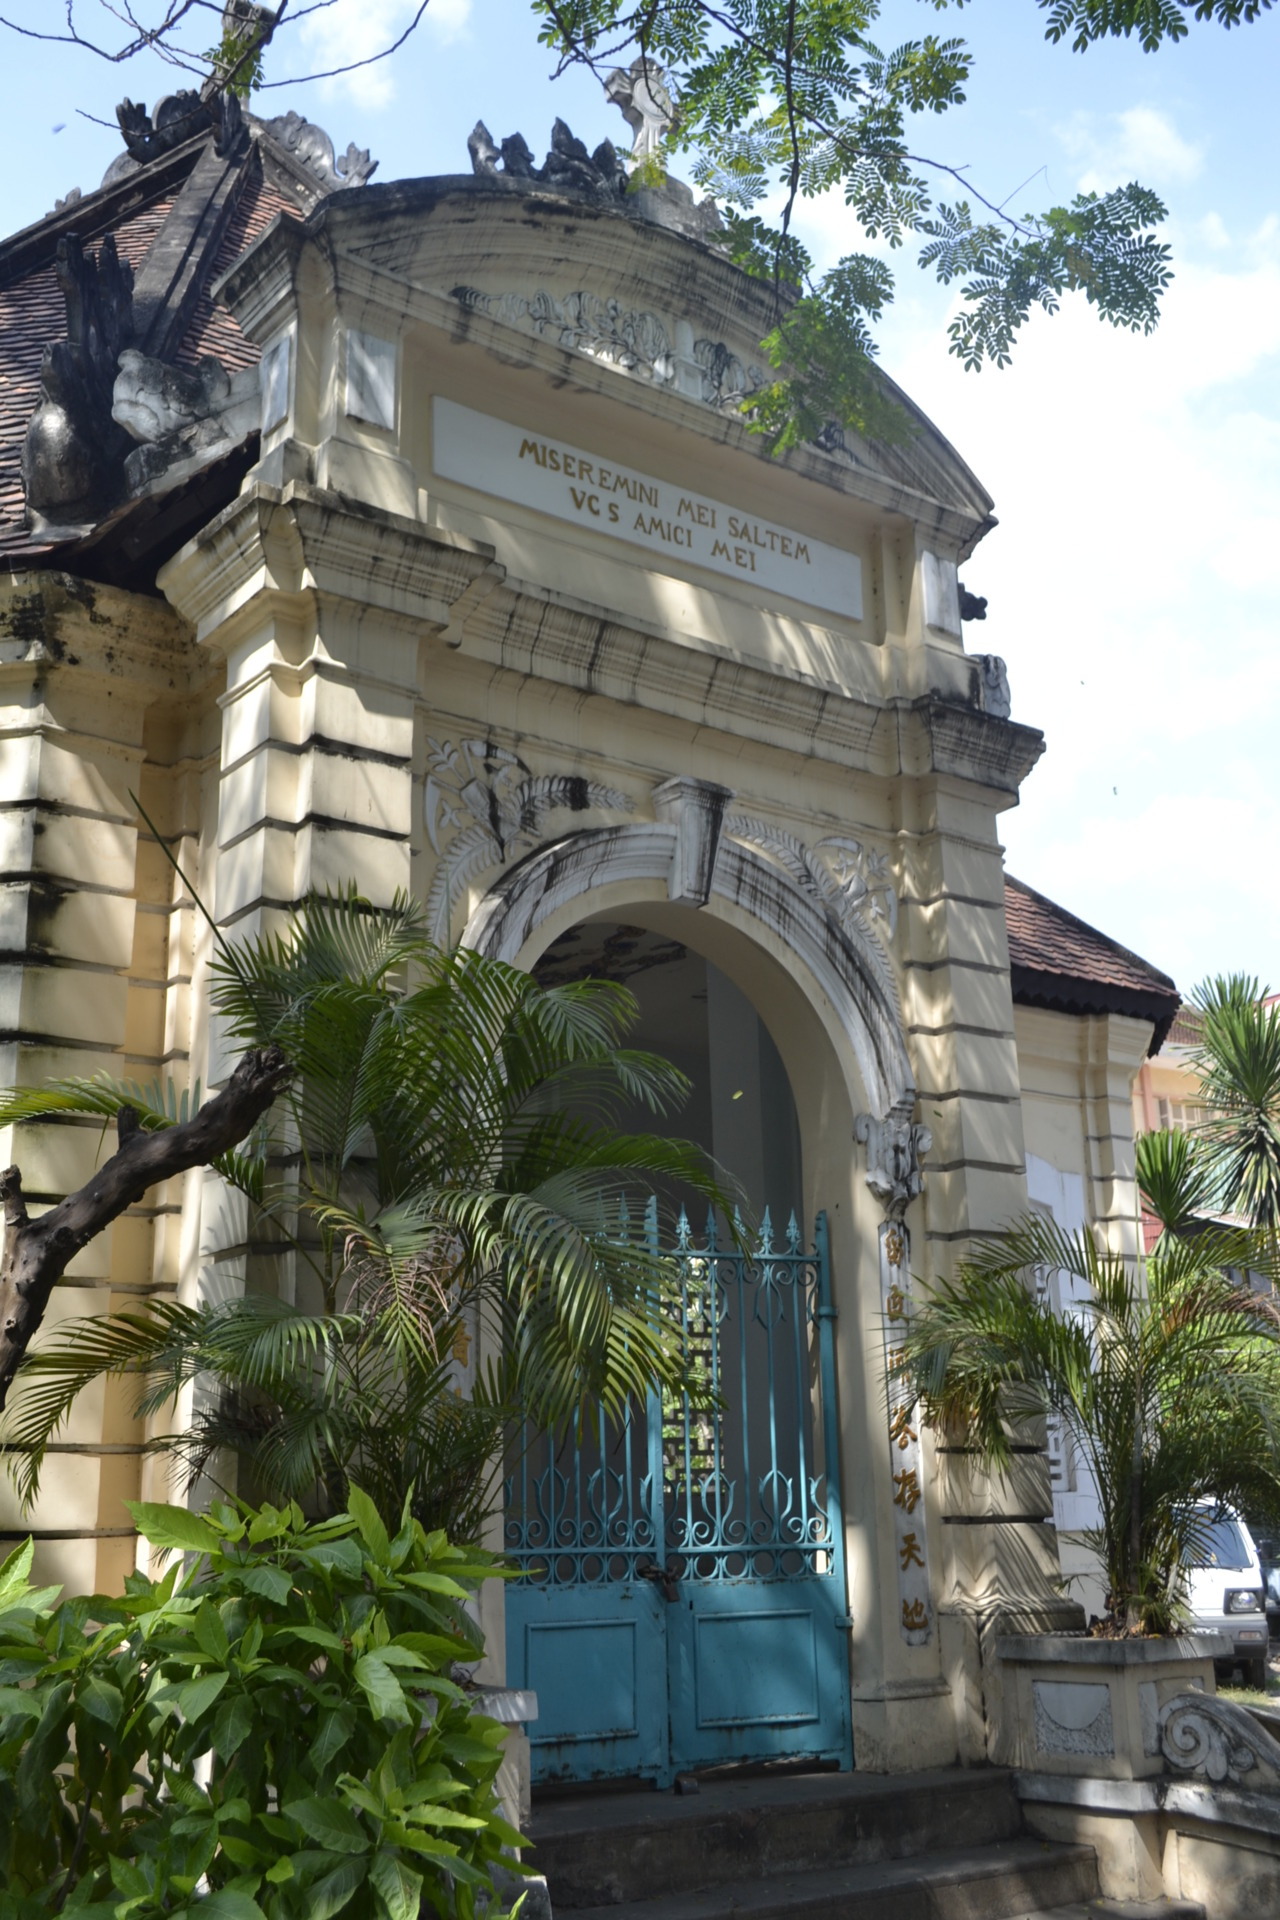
x,y
1225,1592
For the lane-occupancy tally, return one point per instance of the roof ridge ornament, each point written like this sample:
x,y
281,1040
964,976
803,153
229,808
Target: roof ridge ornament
x,y
72,444
568,164
312,147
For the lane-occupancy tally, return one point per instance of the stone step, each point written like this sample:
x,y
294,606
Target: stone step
x,y
998,1881
608,1849
1101,1909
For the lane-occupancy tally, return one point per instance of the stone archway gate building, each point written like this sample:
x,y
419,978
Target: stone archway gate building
x,y
413,534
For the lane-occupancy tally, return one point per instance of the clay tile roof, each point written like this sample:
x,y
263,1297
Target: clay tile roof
x,y
1067,966
213,329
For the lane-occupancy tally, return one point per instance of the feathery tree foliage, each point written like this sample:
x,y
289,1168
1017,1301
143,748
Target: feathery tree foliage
x,y
1167,1384
445,1177
1175,1179
777,101
1238,1060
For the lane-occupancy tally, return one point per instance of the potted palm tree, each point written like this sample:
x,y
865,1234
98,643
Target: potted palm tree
x,y
1167,1386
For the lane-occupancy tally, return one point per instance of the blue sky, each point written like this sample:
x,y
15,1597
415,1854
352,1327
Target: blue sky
x,y
1134,579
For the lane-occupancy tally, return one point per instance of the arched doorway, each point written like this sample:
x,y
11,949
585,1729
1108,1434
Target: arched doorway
x,y
741,1109
684,1594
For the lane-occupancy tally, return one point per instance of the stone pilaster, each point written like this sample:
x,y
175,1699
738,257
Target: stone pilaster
x,y
84,974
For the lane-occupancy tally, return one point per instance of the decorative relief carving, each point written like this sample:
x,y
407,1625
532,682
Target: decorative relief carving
x,y
840,875
1201,1733
895,1147
726,381
993,685
633,338
628,337
483,808
1073,1716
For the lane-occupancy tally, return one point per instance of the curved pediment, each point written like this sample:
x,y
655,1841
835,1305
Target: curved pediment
x,y
589,276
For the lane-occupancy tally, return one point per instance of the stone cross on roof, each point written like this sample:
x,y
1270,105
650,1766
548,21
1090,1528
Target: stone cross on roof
x,y
641,92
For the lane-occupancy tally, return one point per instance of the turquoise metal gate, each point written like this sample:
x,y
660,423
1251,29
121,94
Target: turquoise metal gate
x,y
684,1600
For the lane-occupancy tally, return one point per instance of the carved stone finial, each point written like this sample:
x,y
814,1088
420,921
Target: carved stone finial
x,y
484,150
640,91
993,685
1202,1733
517,157
895,1147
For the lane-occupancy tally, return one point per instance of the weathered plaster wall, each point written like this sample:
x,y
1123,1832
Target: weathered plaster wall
x,y
105,705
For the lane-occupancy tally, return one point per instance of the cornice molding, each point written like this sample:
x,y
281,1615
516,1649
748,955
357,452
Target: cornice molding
x,y
270,548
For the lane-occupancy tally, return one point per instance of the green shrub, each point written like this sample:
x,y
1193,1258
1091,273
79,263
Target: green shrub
x,y
269,1732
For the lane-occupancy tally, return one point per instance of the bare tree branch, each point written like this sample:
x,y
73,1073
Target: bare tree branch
x,y
38,1252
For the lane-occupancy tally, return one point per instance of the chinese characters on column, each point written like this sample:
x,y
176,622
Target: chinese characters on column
x,y
916,1618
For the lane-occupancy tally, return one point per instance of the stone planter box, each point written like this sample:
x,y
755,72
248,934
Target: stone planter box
x,y
514,1707
1074,1705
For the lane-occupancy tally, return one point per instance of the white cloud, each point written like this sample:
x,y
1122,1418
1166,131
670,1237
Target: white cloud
x,y
1139,144
1134,588
350,31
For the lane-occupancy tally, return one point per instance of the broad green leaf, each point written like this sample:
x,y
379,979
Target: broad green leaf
x,y
268,1524
272,1583
331,1823
382,1690
16,1572
102,1700
197,1696
395,1654
336,1729
399,1889
227,1903
436,1646
429,1814
174,1528
211,1635
369,1521
309,1636
280,1872
231,1725
330,1895
437,1583
18,1700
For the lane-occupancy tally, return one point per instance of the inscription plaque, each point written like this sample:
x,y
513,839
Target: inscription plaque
x,y
670,522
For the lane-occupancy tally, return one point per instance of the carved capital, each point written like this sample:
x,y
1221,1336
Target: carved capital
x,y
895,1147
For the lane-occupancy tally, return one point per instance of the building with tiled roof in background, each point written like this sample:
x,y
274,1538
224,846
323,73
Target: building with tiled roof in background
x,y
411,534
